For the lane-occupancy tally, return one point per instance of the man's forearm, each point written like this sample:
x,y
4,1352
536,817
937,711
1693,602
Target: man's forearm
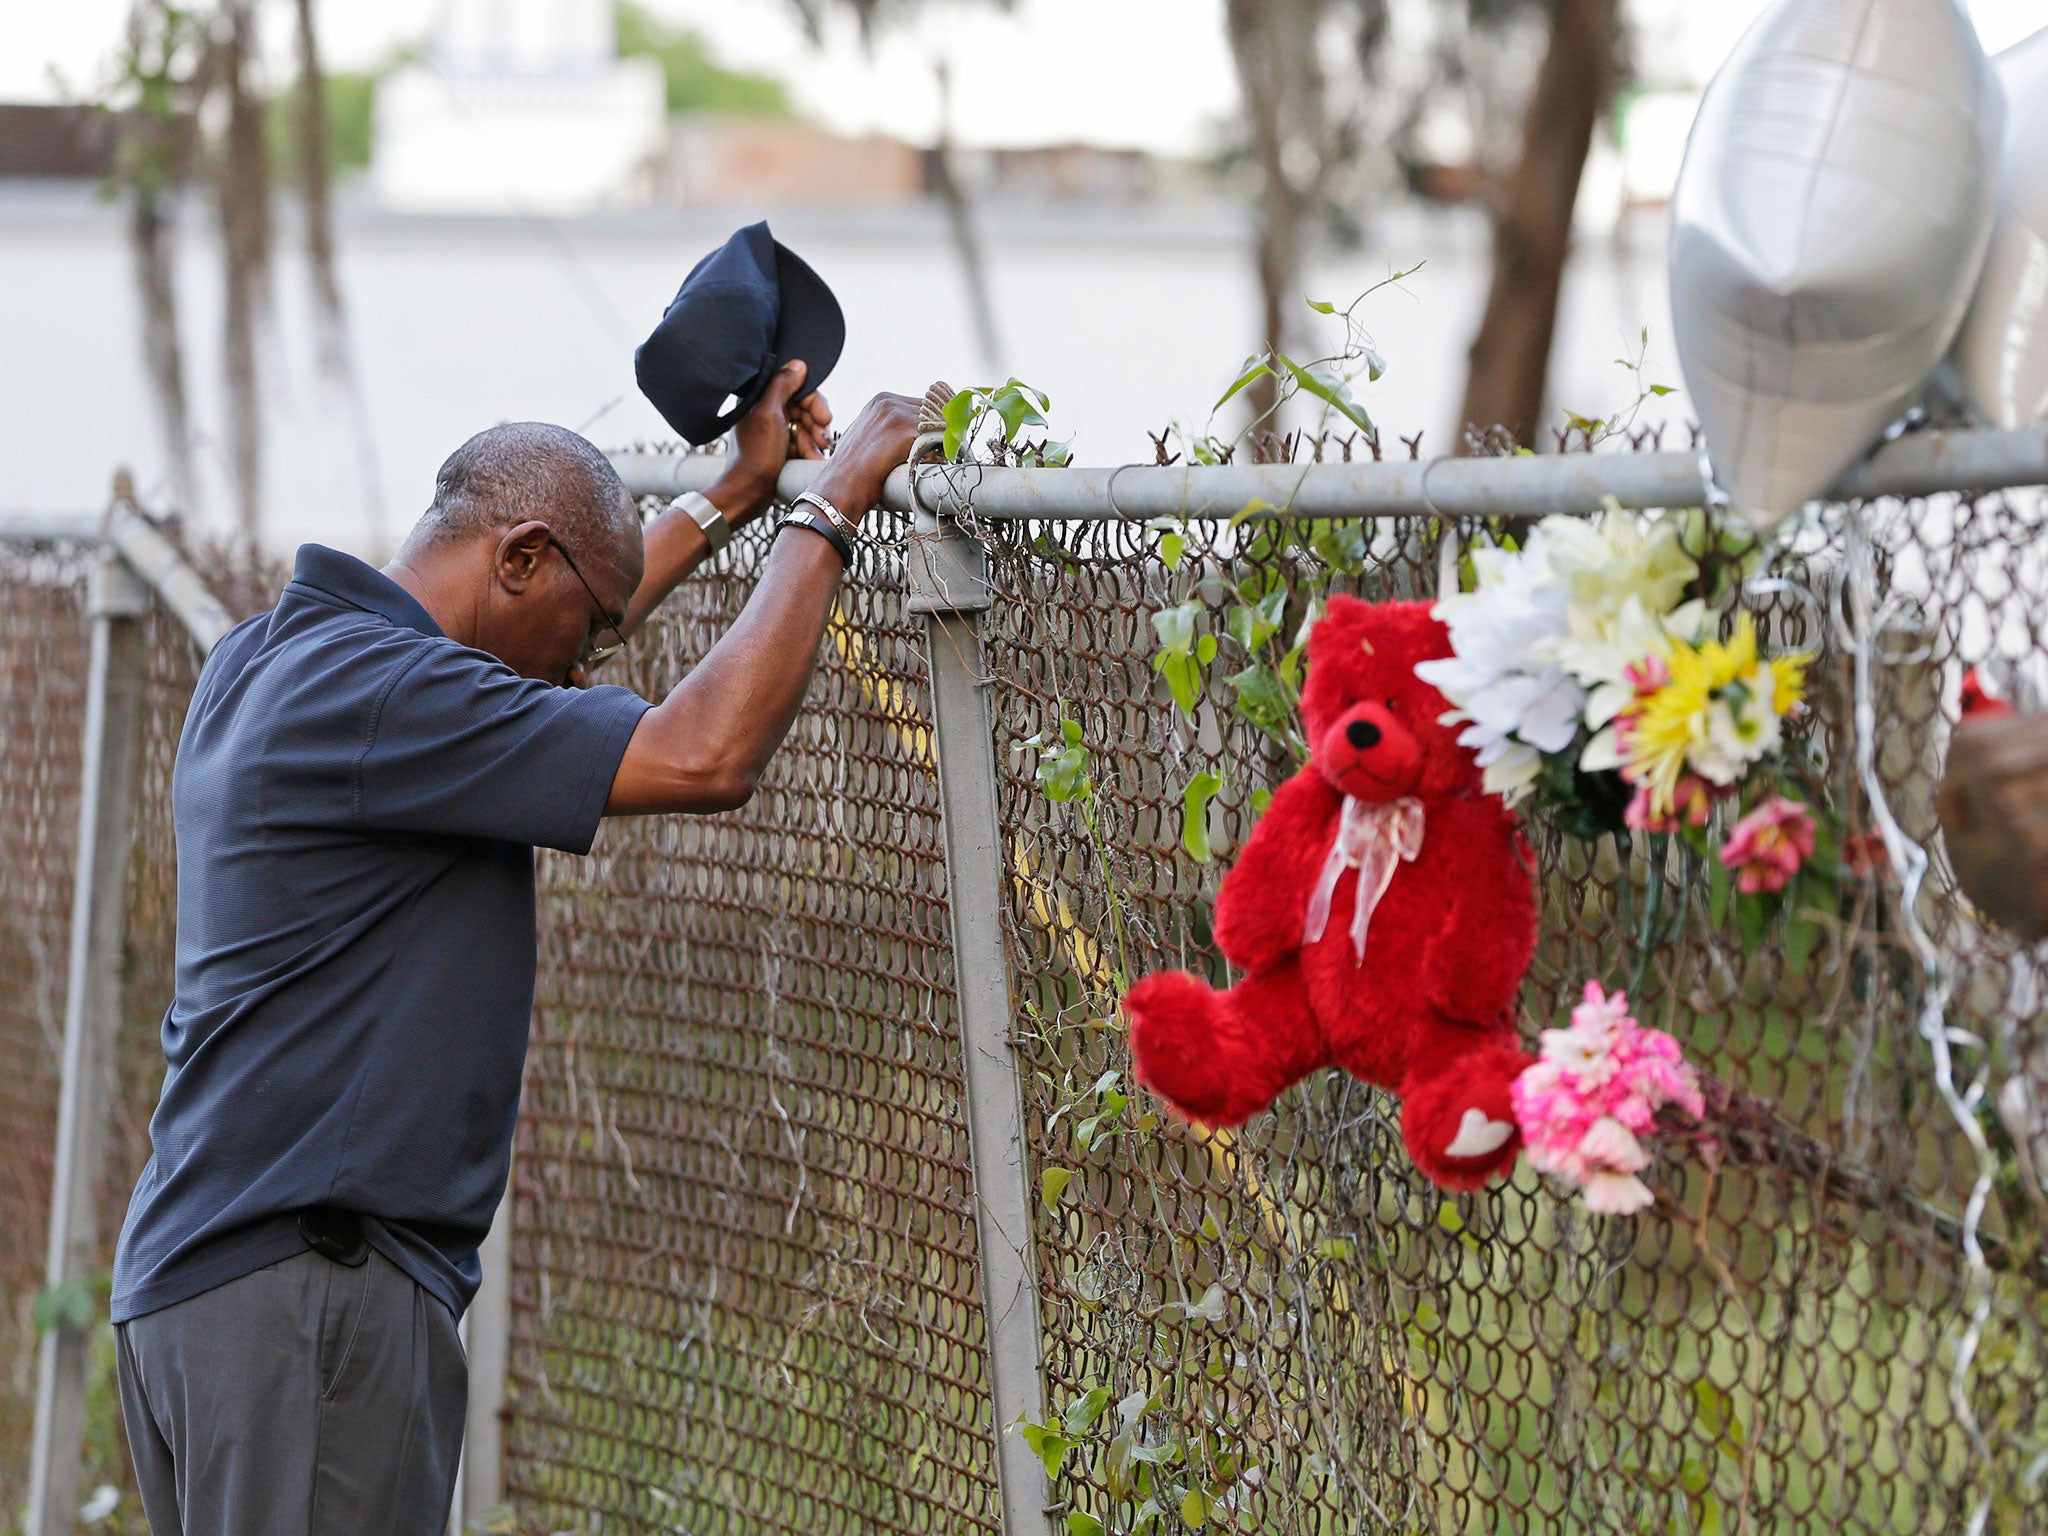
x,y
675,546
703,748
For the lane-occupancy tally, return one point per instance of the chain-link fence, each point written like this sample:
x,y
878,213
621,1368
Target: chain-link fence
x,y
744,1278
746,1291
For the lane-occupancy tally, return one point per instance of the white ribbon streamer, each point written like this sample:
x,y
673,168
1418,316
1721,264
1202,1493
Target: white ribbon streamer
x,y
1374,839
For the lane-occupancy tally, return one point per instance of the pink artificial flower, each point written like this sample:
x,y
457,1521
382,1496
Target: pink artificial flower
x,y
1768,845
1594,1092
1647,675
1864,855
1692,801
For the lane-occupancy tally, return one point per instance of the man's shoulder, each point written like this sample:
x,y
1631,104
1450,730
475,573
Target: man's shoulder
x,y
309,659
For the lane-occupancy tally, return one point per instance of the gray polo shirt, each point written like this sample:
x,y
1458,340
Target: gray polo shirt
x,y
357,800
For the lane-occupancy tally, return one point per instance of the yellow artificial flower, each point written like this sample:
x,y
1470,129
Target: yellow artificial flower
x,y
1718,710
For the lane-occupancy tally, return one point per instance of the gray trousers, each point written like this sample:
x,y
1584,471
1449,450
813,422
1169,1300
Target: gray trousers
x,y
306,1399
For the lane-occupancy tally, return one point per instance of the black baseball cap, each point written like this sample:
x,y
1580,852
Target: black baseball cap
x,y
744,311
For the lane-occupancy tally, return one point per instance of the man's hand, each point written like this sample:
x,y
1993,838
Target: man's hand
x,y
878,441
767,437
704,746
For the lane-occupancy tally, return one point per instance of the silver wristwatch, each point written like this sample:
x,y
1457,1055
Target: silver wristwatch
x,y
717,531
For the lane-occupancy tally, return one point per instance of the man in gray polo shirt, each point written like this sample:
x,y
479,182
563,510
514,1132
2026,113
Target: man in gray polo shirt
x,y
364,774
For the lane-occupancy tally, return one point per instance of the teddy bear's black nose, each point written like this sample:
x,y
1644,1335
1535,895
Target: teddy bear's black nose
x,y
1362,734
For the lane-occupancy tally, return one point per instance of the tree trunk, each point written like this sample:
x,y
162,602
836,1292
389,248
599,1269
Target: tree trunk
x,y
244,187
1279,70
312,147
1532,223
336,357
154,161
150,237
960,221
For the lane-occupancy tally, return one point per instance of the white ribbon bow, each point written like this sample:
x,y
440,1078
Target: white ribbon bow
x,y
1374,839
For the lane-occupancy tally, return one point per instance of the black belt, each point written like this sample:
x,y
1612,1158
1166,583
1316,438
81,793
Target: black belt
x,y
337,1235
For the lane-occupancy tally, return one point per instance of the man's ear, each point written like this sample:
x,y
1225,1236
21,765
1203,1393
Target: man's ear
x,y
519,554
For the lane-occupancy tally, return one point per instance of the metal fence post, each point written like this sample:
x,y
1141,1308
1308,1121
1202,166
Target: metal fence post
x,y
92,1013
949,586
487,1336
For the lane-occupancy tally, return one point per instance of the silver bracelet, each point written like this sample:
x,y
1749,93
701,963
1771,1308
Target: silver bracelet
x,y
833,515
704,513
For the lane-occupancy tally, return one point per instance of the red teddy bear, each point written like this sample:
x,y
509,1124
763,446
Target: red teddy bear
x,y
1384,912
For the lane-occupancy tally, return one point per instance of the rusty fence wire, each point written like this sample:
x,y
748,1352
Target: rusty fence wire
x,y
744,1274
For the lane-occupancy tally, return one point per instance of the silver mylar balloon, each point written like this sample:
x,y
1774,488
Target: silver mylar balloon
x,y
2002,353
1827,230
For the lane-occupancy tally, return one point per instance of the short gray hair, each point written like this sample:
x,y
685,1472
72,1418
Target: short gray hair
x,y
530,470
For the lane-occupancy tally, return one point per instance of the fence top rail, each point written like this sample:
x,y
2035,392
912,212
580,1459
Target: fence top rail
x,y
17,527
1918,464
148,552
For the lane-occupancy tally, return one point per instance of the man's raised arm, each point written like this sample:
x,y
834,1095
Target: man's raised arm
x,y
703,748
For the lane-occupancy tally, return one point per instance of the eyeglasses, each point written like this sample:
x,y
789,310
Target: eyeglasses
x,y
596,653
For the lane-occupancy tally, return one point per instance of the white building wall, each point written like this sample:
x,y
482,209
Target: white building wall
x,y
525,37
519,144
524,108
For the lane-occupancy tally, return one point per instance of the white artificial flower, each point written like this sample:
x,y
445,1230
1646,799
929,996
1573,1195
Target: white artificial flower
x,y
1611,1147
1572,610
1603,751
1503,681
1735,734
1617,1194
1607,561
1585,1054
1601,648
1512,773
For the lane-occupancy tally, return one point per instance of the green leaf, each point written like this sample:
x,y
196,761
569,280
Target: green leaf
x,y
1194,821
1171,548
1064,775
1801,934
1260,799
1329,389
1752,917
69,1305
1211,1229
1194,1507
1176,627
959,417
1052,1184
1714,1408
1255,368
1263,700
1211,1307
1081,1523
1015,404
1322,306
1720,885
1338,544
1134,1407
1183,679
1084,1410
1047,1443
1375,365
1251,508
1116,1468
1662,389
